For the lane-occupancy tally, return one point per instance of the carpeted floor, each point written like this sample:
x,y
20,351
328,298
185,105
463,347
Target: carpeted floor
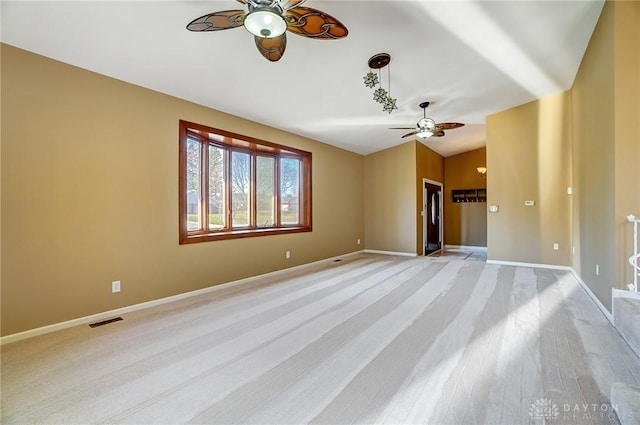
x,y
370,339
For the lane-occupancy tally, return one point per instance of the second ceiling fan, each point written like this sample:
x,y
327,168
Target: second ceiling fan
x,y
427,127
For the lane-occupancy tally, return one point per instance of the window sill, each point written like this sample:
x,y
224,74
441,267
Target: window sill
x,y
239,234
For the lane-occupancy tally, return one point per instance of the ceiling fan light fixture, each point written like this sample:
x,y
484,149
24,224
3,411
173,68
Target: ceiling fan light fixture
x,y
427,123
427,127
264,22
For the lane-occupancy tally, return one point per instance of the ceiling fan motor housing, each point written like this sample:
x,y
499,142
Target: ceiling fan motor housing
x,y
264,3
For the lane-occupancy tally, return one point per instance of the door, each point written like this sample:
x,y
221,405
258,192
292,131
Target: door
x,y
432,212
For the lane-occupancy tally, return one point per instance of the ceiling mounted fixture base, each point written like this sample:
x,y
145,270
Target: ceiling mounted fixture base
x,y
424,105
379,60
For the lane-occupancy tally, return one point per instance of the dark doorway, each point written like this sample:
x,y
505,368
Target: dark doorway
x,y
432,210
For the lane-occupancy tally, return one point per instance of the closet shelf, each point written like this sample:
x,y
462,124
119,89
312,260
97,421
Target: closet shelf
x,y
469,195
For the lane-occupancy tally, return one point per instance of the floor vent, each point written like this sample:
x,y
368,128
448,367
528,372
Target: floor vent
x,y
105,322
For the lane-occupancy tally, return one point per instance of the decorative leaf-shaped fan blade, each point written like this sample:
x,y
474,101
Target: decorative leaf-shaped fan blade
x,y
242,1
438,133
288,4
313,23
449,125
218,21
410,134
272,48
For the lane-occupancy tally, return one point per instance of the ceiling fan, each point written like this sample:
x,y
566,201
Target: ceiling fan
x,y
427,127
268,21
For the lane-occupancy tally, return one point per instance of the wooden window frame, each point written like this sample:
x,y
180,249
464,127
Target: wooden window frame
x,y
232,142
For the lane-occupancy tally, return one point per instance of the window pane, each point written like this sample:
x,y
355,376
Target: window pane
x,y
240,174
193,185
216,188
289,191
265,190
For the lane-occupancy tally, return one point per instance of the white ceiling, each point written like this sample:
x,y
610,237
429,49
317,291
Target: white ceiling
x,y
469,58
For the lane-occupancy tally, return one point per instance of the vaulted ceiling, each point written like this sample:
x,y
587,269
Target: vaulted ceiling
x,y
468,58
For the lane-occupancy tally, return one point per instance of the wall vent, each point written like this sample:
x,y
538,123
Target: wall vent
x,y
105,322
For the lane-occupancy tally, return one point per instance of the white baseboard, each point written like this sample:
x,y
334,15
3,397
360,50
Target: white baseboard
x,y
123,310
624,293
119,311
404,254
469,247
535,265
595,299
582,284
621,293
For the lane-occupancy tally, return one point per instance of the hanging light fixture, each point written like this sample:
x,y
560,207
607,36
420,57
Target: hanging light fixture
x,y
380,95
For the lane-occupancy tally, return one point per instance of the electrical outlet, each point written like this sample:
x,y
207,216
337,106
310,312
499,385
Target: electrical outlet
x,y
597,269
287,254
358,241
115,286
556,246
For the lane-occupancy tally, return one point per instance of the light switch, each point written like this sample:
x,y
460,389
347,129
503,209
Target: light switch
x,y
494,208
529,203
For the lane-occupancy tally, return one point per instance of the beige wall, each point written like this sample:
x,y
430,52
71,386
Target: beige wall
x,y
627,127
528,152
606,149
393,196
587,138
390,199
465,223
593,161
90,193
429,165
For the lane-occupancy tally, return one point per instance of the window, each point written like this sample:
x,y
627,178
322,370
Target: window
x,y
234,186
